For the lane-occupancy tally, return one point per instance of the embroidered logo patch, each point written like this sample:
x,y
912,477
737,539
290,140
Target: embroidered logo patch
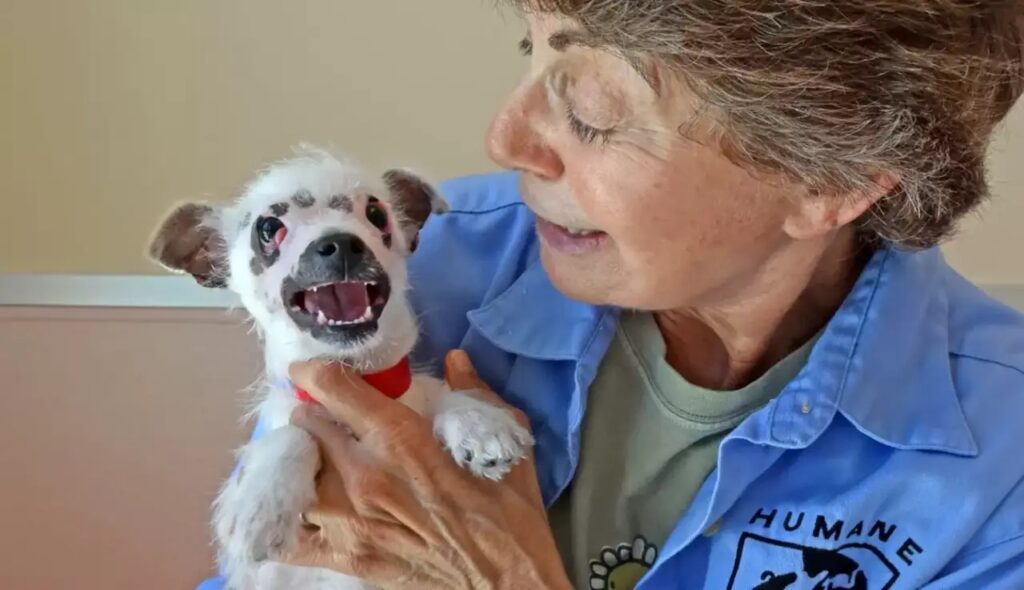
x,y
622,567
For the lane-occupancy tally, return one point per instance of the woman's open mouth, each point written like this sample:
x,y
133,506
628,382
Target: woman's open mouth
x,y
570,240
341,304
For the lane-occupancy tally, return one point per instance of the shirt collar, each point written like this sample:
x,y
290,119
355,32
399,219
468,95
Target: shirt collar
x,y
883,362
533,319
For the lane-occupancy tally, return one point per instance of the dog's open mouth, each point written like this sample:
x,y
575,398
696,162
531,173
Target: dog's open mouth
x,y
340,304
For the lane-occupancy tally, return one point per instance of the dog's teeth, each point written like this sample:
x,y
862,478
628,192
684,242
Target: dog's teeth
x,y
320,317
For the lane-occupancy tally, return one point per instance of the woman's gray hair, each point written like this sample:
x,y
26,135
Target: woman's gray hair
x,y
835,93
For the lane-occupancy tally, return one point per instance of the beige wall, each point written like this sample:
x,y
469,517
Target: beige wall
x,y
113,109
109,469
990,249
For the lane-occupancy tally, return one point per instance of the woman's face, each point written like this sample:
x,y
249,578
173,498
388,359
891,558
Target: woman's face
x,y
636,205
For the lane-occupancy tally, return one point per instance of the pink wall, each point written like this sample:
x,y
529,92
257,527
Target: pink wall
x,y
116,427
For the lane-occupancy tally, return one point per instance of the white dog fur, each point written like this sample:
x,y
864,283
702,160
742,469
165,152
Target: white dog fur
x,y
256,515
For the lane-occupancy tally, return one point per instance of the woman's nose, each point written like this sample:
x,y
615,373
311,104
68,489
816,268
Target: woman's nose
x,y
514,140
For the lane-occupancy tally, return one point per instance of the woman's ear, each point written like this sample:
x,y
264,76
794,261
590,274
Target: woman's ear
x,y
821,213
415,199
188,241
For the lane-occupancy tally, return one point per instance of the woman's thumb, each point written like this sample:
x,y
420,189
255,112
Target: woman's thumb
x,y
460,373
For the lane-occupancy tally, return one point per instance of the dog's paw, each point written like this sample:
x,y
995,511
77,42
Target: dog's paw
x,y
256,516
481,437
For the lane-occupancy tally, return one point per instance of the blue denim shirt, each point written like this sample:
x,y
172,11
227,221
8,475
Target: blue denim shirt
x,y
894,459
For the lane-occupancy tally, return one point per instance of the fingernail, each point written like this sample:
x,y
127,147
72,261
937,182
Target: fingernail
x,y
460,361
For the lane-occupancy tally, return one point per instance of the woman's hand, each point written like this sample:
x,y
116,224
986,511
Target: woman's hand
x,y
394,508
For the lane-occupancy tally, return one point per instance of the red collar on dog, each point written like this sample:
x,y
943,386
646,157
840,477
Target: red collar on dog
x,y
393,382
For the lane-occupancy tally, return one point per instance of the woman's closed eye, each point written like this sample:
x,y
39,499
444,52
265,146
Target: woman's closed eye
x,y
580,125
584,131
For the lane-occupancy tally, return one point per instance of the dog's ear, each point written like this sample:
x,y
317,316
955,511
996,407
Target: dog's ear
x,y
188,241
416,199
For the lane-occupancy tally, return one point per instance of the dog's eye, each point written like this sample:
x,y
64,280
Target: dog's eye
x,y
376,214
268,228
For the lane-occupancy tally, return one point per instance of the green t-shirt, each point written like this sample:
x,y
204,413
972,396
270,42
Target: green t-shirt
x,y
649,440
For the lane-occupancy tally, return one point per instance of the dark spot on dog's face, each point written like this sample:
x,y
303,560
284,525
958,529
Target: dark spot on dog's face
x,y
279,209
304,199
256,266
341,203
387,240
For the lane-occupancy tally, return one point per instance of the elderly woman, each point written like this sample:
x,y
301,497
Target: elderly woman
x,y
712,289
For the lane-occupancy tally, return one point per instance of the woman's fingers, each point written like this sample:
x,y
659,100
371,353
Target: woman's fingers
x,y
367,488
344,393
392,499
353,545
331,492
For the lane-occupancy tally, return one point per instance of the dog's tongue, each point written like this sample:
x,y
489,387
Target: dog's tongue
x,y
341,302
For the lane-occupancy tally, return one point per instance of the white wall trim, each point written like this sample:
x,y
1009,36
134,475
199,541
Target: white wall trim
x,y
66,290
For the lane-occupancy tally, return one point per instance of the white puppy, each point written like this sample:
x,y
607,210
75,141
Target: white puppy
x,y
316,249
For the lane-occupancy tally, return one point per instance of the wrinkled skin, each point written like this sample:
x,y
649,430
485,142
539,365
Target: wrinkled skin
x,y
394,508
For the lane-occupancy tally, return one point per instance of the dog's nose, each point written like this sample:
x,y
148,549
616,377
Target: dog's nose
x,y
339,246
333,257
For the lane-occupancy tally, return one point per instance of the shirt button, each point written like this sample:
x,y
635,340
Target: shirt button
x,y
806,408
713,528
